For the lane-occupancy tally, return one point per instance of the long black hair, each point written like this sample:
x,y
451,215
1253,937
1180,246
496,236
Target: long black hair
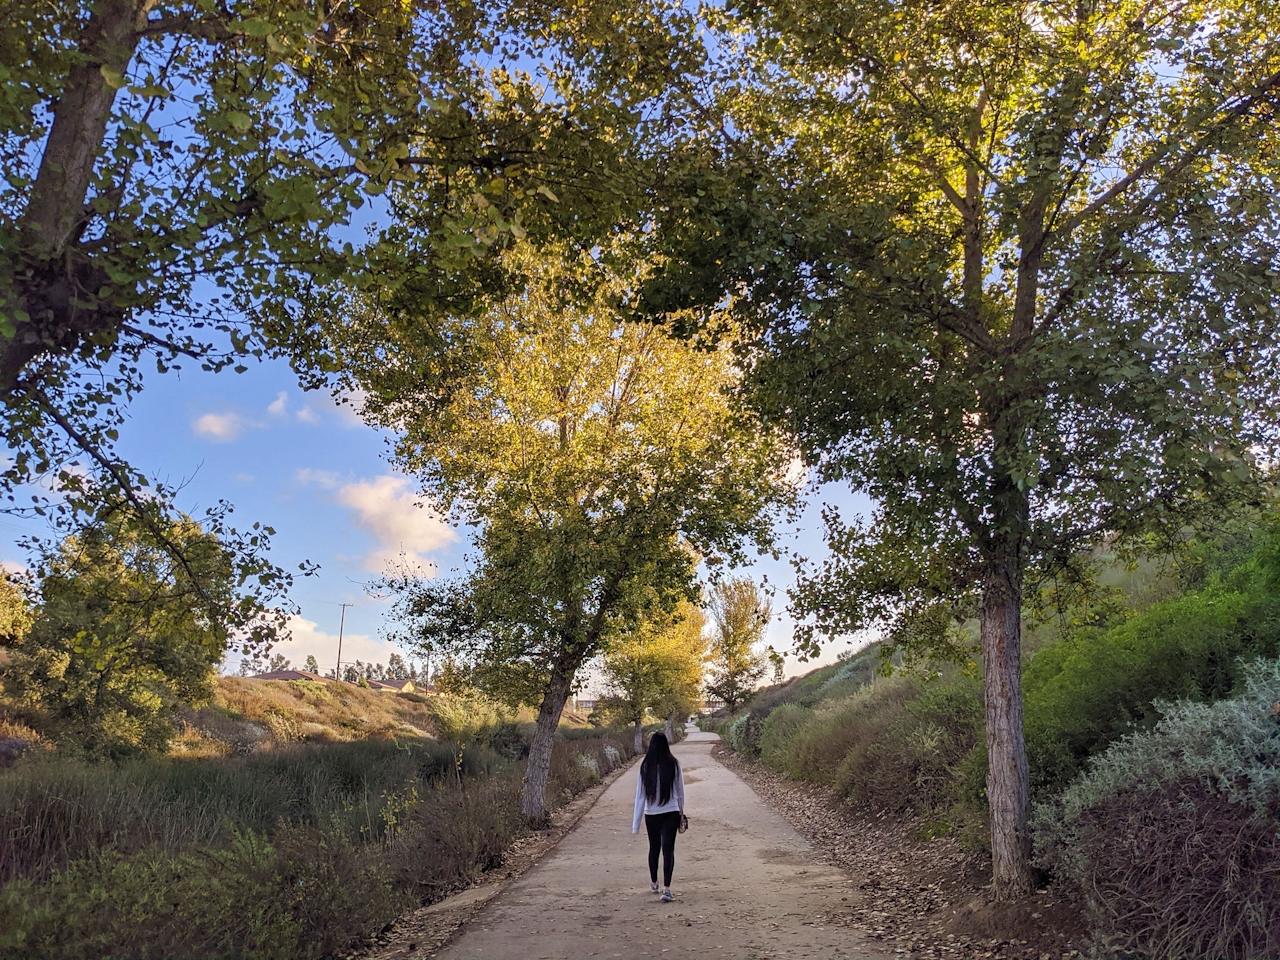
x,y
658,769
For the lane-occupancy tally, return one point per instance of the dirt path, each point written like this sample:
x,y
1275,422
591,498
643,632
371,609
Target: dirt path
x,y
748,886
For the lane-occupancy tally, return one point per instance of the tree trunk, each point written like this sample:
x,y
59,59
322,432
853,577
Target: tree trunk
x,y
638,746
538,769
1007,788
52,280
671,727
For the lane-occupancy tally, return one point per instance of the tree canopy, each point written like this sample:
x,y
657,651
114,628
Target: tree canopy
x,y
1012,270
182,180
599,461
121,635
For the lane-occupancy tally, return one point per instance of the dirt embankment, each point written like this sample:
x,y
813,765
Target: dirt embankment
x,y
920,898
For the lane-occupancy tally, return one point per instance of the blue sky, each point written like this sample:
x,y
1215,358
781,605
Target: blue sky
x,y
311,469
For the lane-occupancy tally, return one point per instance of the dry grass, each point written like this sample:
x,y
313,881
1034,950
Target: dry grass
x,y
289,854
286,711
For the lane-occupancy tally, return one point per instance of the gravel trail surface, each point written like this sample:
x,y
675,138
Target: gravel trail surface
x,y
748,886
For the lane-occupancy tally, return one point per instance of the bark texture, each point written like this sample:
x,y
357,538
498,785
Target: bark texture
x,y
638,746
538,769
1007,777
55,282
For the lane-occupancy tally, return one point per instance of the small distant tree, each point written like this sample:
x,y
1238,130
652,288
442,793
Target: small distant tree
x,y
121,635
260,662
351,673
311,665
778,663
658,668
740,612
15,612
397,669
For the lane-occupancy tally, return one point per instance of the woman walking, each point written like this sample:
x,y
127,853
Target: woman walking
x,y
660,799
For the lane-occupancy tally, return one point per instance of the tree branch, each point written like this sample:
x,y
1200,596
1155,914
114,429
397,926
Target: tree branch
x,y
1160,154
188,26
118,472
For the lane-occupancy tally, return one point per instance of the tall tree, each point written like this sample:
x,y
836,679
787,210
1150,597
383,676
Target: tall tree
x,y
178,179
597,459
740,613
1011,269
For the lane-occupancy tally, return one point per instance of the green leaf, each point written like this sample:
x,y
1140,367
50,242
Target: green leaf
x,y
115,79
255,28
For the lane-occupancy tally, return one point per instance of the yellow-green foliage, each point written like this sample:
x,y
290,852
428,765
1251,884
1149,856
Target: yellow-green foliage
x,y
467,716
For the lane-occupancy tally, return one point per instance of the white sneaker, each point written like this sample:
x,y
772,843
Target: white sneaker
x,y
667,895
654,886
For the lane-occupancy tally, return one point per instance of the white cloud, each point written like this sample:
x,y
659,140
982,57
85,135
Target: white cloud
x,y
307,415
279,406
321,478
243,478
219,427
345,408
387,508
306,637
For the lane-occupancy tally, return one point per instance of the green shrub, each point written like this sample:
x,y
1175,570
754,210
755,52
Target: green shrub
x,y
1172,837
1092,688
743,735
301,896
908,742
454,833
55,812
778,734
466,718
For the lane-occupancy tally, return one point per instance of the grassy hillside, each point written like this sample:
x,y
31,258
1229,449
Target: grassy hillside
x,y
247,714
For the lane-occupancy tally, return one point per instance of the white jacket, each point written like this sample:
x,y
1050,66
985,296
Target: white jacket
x,y
644,805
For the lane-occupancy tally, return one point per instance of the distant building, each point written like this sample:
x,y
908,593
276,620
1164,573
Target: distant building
x,y
584,704
393,686
291,675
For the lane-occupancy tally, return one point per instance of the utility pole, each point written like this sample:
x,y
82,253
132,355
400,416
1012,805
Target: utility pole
x,y
342,622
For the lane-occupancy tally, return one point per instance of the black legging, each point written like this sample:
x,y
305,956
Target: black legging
x,y
662,829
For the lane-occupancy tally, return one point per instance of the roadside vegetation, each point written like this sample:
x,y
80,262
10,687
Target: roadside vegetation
x,y
152,809
295,850
1153,734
